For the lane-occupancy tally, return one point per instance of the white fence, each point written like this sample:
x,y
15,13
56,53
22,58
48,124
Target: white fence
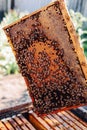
x,y
32,5
78,5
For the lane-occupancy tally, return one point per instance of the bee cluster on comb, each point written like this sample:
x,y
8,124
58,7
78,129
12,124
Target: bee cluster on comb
x,y
47,57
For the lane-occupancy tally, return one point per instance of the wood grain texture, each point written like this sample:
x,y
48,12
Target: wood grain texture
x,y
61,121
64,120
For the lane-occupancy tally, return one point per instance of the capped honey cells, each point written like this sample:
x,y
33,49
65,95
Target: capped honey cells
x,y
48,58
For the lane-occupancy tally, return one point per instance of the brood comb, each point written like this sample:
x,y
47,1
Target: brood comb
x,y
50,58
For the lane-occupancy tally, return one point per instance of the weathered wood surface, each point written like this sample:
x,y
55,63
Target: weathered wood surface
x,y
13,91
61,121
16,123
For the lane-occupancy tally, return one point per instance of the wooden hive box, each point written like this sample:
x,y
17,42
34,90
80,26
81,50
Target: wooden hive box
x,y
51,61
23,118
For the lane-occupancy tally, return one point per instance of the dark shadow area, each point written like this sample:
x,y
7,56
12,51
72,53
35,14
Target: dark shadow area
x,y
1,15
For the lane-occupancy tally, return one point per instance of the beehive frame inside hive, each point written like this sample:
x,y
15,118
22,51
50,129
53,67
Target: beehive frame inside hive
x,y
48,54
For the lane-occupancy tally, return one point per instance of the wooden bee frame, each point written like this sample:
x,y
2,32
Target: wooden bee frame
x,y
50,58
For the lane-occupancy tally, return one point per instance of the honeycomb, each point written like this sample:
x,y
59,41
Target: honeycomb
x,y
48,61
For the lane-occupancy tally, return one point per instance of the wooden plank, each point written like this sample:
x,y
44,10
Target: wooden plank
x,y
20,123
23,108
60,121
42,121
8,125
38,122
50,122
64,125
14,124
2,126
56,122
27,123
69,122
75,122
77,118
